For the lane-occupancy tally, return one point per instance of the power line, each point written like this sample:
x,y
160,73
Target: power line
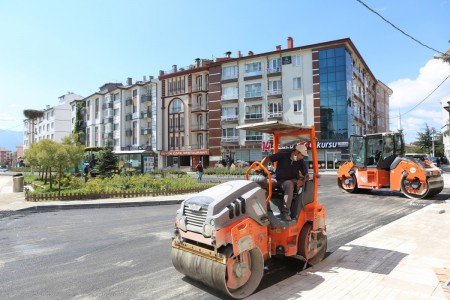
x,y
384,19
424,98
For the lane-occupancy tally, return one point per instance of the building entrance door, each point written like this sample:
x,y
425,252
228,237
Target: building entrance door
x,y
333,160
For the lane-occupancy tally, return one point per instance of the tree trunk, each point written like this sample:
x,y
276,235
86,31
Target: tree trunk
x,y
50,168
59,183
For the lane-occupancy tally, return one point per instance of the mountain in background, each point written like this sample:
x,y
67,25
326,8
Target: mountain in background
x,y
10,139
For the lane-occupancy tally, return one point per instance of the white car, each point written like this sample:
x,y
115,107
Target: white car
x,y
3,169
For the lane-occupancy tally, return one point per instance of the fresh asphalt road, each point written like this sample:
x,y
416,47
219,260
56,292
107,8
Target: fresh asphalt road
x,y
124,253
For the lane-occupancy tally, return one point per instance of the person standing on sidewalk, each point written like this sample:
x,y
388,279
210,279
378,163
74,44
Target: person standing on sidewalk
x,y
199,168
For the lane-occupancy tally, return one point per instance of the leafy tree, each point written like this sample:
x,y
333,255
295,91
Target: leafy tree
x,y
107,161
424,143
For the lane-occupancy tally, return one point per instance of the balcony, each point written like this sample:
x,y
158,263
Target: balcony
x,y
146,131
146,114
253,73
198,146
229,139
107,105
108,136
273,70
229,76
199,88
229,97
275,115
229,118
253,94
202,107
253,138
199,127
254,116
274,92
176,128
146,98
107,120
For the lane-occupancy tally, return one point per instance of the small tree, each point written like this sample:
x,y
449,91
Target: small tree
x,y
424,143
107,161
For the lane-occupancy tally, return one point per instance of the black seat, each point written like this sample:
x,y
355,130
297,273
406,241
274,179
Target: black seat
x,y
304,197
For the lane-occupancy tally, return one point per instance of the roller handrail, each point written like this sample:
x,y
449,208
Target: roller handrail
x,y
269,177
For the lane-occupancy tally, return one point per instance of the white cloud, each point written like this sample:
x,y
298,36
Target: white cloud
x,y
408,92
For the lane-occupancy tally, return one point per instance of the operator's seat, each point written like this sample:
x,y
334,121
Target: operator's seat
x,y
302,198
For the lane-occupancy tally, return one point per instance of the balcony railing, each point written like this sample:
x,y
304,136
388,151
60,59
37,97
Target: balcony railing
x,y
253,116
146,131
229,76
108,136
107,105
229,97
253,73
200,127
229,139
253,94
274,70
253,138
229,118
201,87
198,146
277,114
274,92
146,98
198,107
176,128
146,114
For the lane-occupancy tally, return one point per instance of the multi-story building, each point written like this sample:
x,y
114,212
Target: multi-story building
x,y
327,85
6,156
124,116
183,115
445,130
55,123
382,101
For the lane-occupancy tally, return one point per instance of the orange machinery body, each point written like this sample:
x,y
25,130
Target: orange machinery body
x,y
373,178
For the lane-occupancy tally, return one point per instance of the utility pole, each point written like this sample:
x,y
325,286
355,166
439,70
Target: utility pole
x,y
432,140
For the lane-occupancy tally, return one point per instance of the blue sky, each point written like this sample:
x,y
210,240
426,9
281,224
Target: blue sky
x,y
49,47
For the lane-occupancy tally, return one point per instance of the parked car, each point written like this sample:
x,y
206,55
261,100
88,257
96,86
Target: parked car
x,y
436,161
3,169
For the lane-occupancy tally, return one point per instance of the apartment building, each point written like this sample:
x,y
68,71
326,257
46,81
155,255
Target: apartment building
x,y
55,123
445,130
383,92
6,156
183,115
327,85
125,117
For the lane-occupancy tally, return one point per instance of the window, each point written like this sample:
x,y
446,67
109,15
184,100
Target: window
x,y
134,93
176,106
230,92
297,105
274,65
274,87
229,72
253,112
275,110
253,90
296,60
229,132
297,83
253,136
253,69
229,113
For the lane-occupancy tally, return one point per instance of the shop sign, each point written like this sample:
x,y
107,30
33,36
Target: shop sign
x,y
184,152
267,145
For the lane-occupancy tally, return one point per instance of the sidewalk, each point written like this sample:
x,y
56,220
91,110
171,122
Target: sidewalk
x,y
406,259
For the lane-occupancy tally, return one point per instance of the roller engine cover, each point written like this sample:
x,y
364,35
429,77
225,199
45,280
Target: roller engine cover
x,y
221,205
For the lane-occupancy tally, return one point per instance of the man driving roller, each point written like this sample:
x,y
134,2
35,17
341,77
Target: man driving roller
x,y
290,166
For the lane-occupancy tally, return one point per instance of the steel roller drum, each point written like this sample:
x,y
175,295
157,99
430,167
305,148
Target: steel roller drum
x,y
215,274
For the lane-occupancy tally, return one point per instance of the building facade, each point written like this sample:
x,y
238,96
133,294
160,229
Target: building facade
x,y
55,123
445,130
125,118
327,85
183,115
382,100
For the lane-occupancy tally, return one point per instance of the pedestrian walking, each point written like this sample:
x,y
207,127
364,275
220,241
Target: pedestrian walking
x,y
199,169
